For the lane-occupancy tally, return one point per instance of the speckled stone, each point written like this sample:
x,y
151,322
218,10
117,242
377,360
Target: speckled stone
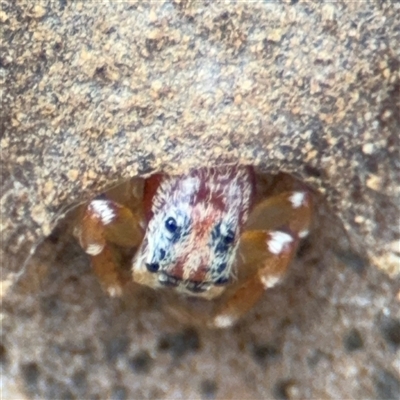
x,y
97,92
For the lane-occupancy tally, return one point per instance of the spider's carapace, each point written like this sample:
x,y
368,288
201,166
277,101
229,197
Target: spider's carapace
x,y
194,225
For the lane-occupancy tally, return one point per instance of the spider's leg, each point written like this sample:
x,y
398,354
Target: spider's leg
x,y
266,256
266,251
104,223
292,210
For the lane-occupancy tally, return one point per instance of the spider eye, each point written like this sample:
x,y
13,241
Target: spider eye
x,y
229,238
171,225
221,281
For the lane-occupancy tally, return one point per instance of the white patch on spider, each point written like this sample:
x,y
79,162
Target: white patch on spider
x,y
297,199
94,249
278,242
223,321
304,233
270,281
103,210
114,291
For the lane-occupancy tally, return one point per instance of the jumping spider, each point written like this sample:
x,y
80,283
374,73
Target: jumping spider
x,y
201,234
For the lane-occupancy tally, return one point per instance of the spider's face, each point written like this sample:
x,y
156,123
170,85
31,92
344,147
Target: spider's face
x,y
193,234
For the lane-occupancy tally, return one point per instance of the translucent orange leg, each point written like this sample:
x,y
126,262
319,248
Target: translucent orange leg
x,y
104,223
292,210
264,255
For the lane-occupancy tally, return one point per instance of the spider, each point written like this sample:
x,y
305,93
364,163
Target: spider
x,y
203,234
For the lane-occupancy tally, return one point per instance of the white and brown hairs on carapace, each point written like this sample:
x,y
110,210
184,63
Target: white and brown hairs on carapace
x,y
194,225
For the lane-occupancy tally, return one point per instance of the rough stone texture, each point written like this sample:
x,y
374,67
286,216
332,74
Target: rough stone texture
x,y
96,92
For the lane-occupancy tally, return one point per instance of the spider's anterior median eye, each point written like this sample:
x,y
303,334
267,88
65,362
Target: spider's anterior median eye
x,y
171,225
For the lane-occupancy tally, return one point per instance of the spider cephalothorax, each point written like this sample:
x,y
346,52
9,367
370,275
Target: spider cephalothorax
x,y
195,232
195,222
